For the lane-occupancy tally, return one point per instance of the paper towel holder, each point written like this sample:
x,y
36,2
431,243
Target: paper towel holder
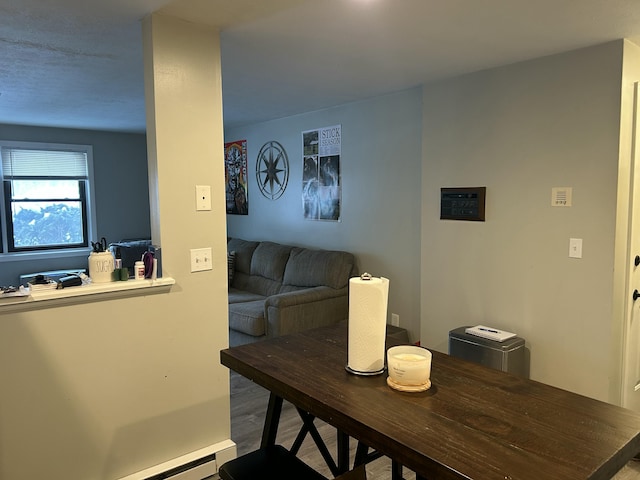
x,y
365,373
367,278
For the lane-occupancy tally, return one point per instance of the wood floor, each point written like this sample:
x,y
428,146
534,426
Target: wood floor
x,y
248,407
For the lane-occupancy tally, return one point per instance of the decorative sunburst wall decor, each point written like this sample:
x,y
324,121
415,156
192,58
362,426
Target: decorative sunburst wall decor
x,y
272,170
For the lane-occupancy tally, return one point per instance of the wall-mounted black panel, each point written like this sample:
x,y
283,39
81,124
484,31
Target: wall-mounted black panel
x,y
464,203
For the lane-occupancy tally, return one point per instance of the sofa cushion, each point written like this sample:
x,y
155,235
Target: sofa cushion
x,y
239,296
311,268
244,251
269,260
267,269
248,317
242,267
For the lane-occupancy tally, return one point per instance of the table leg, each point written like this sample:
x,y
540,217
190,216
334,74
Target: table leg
x,y
308,427
271,421
396,471
361,454
270,432
343,451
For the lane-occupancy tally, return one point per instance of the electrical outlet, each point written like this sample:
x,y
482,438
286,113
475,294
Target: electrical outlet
x,y
201,259
395,319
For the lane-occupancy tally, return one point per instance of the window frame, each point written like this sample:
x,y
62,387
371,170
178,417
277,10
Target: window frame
x,y
8,201
6,252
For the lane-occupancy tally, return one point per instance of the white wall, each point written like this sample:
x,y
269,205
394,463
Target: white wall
x,y
521,130
380,169
104,389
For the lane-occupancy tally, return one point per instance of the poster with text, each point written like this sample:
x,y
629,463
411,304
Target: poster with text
x,y
321,183
235,174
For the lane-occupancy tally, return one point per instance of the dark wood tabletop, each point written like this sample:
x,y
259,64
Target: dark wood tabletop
x,y
474,422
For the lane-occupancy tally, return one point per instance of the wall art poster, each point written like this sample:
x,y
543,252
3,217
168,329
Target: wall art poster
x,y
235,173
321,183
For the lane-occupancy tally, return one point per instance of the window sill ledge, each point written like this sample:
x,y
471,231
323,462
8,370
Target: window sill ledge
x,y
92,292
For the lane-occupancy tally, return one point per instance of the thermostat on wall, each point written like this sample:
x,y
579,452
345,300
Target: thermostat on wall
x,y
464,203
561,196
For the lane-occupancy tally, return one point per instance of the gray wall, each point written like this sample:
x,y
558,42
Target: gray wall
x,y
121,190
521,130
380,170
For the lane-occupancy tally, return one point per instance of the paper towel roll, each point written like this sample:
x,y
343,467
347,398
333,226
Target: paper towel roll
x,y
367,324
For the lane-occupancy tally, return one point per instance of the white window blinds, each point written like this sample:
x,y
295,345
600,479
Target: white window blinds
x,y
21,162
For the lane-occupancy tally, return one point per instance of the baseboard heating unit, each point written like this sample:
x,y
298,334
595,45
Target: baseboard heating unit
x,y
196,465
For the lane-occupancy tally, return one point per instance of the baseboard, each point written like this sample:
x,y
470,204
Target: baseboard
x,y
193,466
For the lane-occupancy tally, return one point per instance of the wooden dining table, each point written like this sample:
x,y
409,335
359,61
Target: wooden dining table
x,y
473,423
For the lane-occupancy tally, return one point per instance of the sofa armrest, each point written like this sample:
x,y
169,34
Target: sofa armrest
x,y
305,309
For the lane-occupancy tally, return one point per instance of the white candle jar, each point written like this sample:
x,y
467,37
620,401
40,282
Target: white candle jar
x,y
409,365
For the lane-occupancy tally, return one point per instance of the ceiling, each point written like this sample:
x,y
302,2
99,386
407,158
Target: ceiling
x,y
78,63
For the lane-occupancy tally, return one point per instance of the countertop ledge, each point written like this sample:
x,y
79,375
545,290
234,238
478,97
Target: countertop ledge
x,y
92,292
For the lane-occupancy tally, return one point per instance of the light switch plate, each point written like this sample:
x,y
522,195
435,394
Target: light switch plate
x,y
201,259
575,248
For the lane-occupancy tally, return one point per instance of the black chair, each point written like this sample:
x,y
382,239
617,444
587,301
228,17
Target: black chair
x,y
270,463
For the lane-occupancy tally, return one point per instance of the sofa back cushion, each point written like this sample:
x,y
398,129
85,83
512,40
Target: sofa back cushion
x,y
242,261
267,268
312,268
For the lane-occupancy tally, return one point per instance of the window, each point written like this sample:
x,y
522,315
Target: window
x,y
46,192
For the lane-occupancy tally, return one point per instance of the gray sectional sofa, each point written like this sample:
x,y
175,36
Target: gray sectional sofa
x,y
276,289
